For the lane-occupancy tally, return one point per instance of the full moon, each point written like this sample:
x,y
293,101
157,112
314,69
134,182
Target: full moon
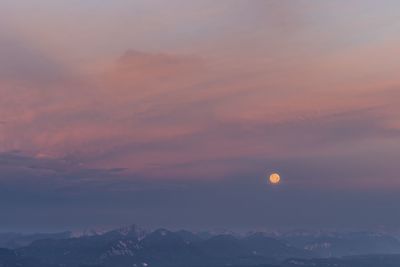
x,y
274,178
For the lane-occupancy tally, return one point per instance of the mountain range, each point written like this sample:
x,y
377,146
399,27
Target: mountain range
x,y
132,246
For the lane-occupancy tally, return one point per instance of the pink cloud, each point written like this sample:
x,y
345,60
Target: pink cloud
x,y
252,93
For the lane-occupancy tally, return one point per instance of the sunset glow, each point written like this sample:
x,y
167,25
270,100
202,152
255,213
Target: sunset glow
x,y
148,111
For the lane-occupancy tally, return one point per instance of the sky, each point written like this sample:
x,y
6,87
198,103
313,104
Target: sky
x,y
173,114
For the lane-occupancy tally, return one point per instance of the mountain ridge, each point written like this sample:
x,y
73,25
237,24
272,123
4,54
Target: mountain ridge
x,y
133,246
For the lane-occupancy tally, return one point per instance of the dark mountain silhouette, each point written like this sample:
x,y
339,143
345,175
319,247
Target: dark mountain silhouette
x,y
131,246
9,258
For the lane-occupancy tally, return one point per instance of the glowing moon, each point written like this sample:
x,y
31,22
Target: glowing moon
x,y
274,178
